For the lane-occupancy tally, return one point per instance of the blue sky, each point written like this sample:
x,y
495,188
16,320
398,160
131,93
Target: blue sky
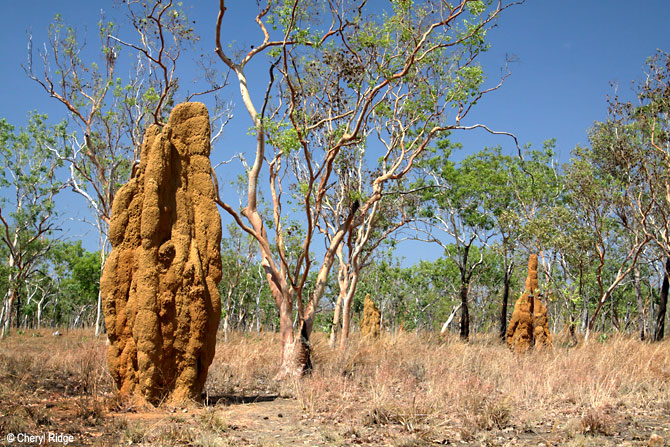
x,y
568,52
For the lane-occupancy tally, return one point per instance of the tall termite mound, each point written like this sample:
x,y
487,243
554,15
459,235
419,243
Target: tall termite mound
x,y
372,318
529,324
159,285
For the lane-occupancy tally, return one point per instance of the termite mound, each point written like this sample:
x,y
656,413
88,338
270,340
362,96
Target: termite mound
x,y
159,285
372,317
529,326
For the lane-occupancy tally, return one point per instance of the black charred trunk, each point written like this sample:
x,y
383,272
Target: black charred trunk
x,y
659,333
465,314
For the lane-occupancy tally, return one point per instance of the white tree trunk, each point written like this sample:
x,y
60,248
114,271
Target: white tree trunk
x,y
103,258
446,324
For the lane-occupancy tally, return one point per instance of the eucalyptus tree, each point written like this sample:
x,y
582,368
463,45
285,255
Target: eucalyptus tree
x,y
27,216
506,178
74,274
457,213
600,204
573,242
639,141
242,287
367,233
347,72
110,111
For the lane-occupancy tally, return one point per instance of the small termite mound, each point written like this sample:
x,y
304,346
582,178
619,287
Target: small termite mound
x,y
529,326
372,318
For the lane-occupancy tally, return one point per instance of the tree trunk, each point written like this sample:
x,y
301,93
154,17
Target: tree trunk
x,y
586,316
39,314
445,326
18,306
640,305
226,326
335,327
226,319
505,299
346,309
258,309
11,291
659,332
296,350
2,314
99,321
465,315
346,321
55,316
337,312
9,304
614,316
465,283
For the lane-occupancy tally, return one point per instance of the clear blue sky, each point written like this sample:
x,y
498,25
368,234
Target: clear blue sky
x,y
568,52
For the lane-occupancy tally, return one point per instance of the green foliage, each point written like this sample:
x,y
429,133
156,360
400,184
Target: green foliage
x,y
28,185
243,285
79,272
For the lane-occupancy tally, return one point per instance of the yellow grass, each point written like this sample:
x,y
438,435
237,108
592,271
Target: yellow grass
x,y
415,388
425,382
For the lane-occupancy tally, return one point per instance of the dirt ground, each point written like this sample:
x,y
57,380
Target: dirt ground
x,y
384,394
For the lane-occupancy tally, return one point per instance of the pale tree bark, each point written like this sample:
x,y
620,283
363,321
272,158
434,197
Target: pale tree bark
x,y
31,297
99,321
3,309
361,243
445,326
627,265
321,131
346,311
639,302
27,251
10,297
342,279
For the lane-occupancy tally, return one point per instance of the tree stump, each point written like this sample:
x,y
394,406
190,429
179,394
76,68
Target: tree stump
x,y
159,285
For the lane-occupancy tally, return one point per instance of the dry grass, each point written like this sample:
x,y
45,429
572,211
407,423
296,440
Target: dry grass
x,y
408,389
75,364
431,387
53,383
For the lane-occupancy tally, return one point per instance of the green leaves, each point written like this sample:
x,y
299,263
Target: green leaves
x,y
78,271
282,135
476,7
28,163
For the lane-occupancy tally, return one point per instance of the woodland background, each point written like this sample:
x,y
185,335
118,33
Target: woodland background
x,y
599,221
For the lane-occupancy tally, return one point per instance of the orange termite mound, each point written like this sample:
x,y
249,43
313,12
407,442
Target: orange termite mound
x,y
372,317
529,326
159,285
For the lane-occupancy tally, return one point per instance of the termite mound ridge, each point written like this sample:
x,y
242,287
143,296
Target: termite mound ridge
x,y
159,285
372,318
529,326
541,333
